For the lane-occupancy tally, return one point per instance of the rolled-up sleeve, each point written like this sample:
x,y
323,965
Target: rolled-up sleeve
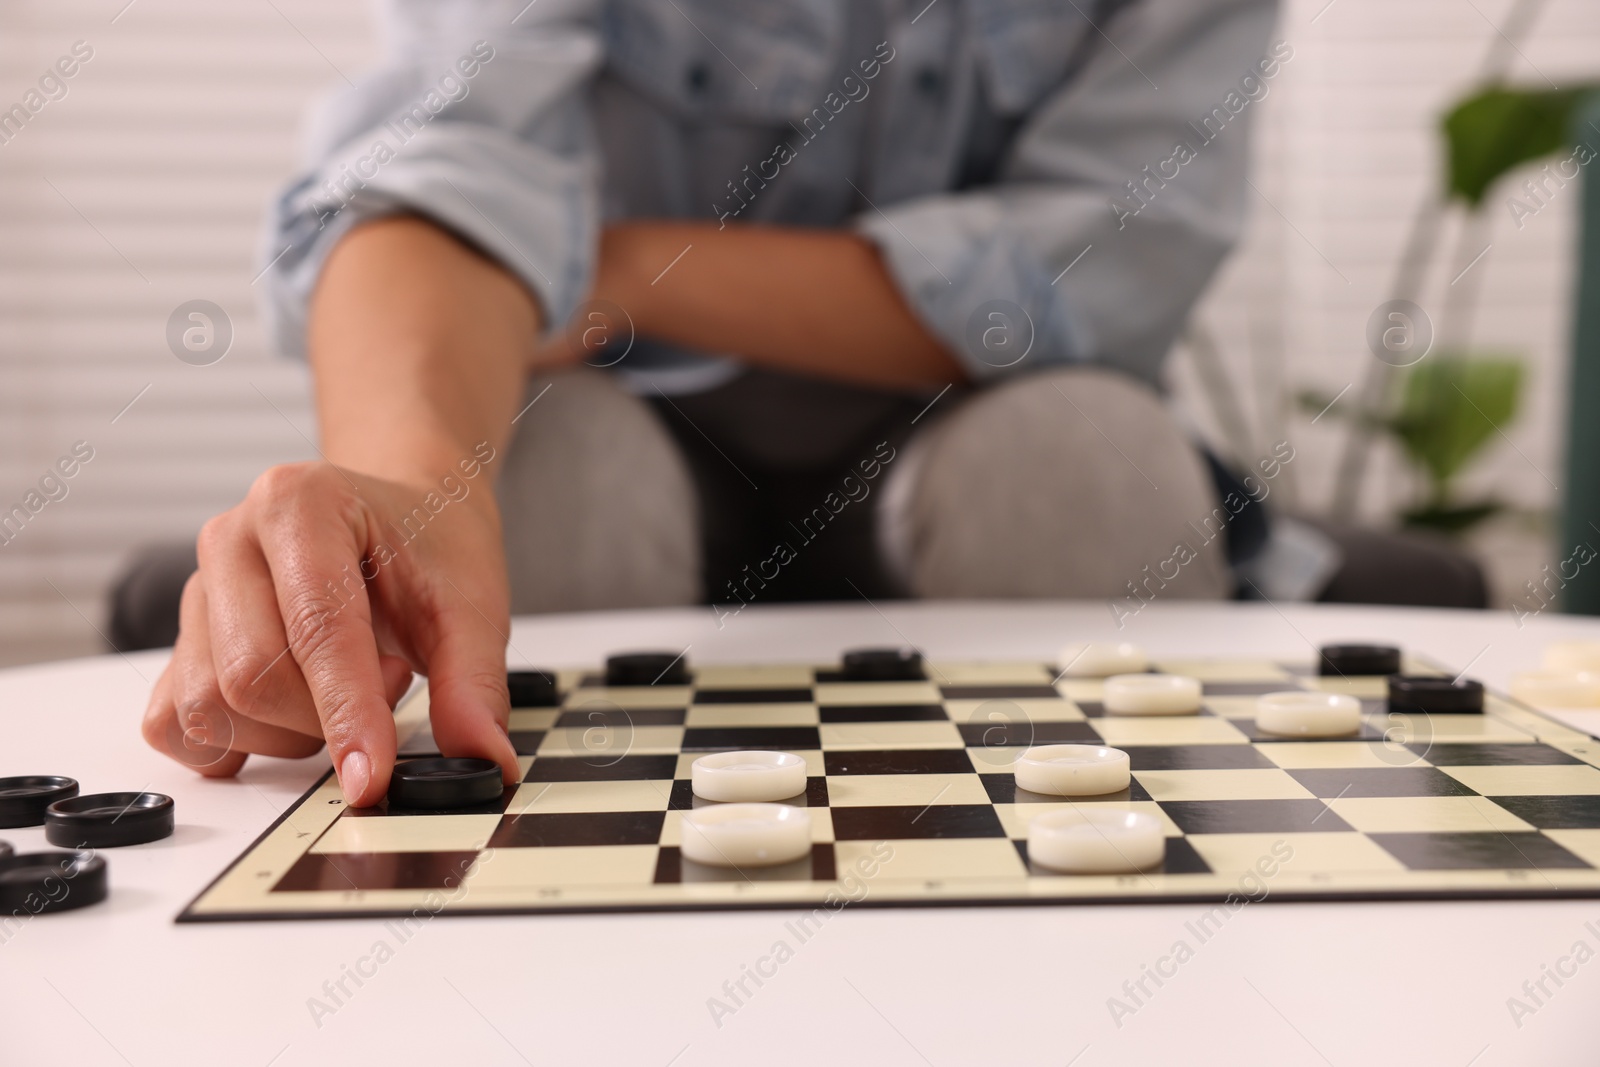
x,y
1106,271
477,121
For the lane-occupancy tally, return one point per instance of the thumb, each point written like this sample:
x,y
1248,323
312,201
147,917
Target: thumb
x,y
467,699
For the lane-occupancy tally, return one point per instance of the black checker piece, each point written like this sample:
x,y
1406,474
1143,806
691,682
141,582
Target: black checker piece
x,y
882,665
533,689
1435,696
441,782
647,668
555,829
898,761
1554,813
916,822
1253,816
1476,851
710,738
1024,734
610,717
1355,661
1380,782
752,696
602,768
883,713
876,665
1468,754
23,799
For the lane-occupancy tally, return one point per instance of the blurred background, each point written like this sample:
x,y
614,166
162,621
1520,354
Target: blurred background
x,y
139,184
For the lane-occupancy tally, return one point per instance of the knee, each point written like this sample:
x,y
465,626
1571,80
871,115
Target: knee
x,y
1064,484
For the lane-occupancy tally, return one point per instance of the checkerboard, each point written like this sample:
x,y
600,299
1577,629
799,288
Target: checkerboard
x,y
914,803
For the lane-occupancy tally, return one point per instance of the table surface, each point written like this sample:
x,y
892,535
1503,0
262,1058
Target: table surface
x,y
1280,984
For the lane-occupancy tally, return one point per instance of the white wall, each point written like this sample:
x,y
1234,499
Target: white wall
x,y
1347,148
142,188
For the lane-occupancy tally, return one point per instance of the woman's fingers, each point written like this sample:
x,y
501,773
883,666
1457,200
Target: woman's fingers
x,y
310,549
249,650
204,730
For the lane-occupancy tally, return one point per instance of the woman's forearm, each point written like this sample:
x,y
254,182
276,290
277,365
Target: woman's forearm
x,y
813,301
419,346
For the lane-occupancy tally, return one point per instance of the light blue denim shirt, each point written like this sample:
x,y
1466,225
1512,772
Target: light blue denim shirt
x,y
1079,161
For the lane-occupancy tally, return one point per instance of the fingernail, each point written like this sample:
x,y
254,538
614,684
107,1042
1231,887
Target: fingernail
x,y
354,774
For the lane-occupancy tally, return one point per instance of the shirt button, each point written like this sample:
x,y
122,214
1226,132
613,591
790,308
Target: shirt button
x,y
698,76
930,80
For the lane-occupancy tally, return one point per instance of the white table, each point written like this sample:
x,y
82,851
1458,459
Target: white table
x,y
1281,984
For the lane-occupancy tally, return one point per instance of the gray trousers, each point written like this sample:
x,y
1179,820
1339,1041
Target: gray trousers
x,y
1067,483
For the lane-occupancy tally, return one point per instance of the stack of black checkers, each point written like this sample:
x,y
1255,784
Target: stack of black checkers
x,y
39,882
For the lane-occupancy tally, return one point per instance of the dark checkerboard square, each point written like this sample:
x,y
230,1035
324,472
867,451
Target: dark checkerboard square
x,y
999,692
553,829
682,797
318,871
1554,813
381,809
602,768
820,866
839,676
1002,789
1380,782
526,742
710,738
882,713
1022,734
607,717
905,822
1253,816
1181,858
1195,757
1463,754
1476,851
752,696
1094,709
1246,689
1371,730
898,761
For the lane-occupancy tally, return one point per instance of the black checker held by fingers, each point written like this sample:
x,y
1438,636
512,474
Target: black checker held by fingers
x,y
533,689
647,668
883,665
109,820
1350,661
1436,696
36,883
444,782
24,799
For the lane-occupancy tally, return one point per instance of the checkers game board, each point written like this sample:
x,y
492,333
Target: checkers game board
x,y
910,781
